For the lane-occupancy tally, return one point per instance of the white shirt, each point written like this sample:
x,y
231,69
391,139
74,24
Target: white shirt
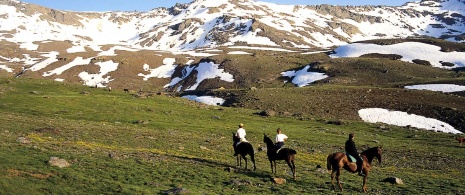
x,y
240,133
280,137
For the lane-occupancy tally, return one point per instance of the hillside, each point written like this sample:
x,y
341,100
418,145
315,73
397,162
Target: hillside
x,y
115,143
103,91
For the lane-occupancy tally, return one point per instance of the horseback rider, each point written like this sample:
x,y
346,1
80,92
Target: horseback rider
x,y
280,138
352,151
240,133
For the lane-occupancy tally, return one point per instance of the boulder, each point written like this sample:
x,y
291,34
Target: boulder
x,y
394,180
278,181
55,161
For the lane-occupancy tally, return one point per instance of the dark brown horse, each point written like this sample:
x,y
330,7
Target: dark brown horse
x,y
285,154
242,149
339,160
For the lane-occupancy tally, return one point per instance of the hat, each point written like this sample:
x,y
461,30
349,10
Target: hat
x,y
241,125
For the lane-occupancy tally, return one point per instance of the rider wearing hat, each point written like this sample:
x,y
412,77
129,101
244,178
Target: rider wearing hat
x,y
240,133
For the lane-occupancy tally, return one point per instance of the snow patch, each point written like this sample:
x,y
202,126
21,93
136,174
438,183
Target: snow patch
x,y
446,88
164,71
210,100
98,80
408,50
303,77
398,118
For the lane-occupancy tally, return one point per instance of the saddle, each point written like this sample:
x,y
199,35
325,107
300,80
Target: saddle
x,y
242,140
351,158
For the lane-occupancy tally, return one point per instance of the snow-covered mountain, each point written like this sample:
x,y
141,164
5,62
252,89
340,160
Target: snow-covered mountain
x,y
212,23
99,48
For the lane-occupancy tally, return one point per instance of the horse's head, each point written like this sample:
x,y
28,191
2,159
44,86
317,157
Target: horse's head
x,y
372,153
267,140
379,152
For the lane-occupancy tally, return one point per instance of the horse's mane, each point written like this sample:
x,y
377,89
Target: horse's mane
x,y
269,143
370,150
234,137
371,153
267,139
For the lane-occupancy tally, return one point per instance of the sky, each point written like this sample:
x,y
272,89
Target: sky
x,y
146,5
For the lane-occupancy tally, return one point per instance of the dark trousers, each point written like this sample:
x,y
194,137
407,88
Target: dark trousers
x,y
279,145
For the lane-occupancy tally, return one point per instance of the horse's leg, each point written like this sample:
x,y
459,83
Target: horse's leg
x,y
332,178
293,168
290,164
364,188
271,164
240,160
274,162
245,159
237,158
338,173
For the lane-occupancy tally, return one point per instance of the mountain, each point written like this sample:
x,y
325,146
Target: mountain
x,y
212,23
115,48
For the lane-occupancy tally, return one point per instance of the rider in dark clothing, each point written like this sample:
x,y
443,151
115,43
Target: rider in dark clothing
x,y
352,150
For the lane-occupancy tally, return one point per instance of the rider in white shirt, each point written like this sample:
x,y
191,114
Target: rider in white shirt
x,y
240,133
280,139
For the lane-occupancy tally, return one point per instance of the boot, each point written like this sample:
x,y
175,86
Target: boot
x,y
360,170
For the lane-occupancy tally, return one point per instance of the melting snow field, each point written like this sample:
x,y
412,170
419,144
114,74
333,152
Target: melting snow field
x,y
375,115
98,79
302,77
163,71
408,50
446,88
210,100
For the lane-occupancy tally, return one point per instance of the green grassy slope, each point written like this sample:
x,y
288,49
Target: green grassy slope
x,y
117,143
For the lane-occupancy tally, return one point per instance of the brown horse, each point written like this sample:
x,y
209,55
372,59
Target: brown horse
x,y
242,149
460,139
285,154
339,160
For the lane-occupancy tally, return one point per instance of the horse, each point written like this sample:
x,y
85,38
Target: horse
x,y
285,154
242,149
460,139
339,160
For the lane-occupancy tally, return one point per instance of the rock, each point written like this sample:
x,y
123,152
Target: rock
x,y
321,171
382,127
421,62
140,122
267,113
203,148
230,169
55,161
176,191
23,140
238,182
262,149
278,181
394,180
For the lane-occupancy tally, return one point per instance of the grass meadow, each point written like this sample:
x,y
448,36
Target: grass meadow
x,y
119,144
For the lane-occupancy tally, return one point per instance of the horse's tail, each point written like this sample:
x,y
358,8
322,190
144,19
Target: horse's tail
x,y
328,162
